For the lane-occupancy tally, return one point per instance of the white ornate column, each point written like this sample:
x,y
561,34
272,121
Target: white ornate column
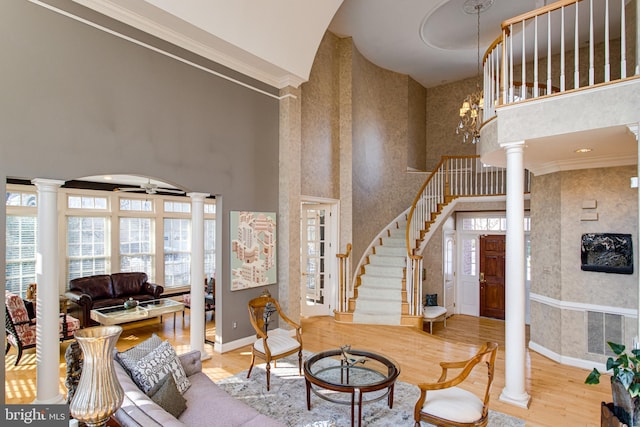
x,y
196,312
47,262
515,346
635,130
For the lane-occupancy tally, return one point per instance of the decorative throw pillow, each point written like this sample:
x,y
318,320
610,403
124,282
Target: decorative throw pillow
x,y
431,300
154,366
130,357
166,394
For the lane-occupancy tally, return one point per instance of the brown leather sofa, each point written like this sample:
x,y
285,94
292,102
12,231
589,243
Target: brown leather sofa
x,y
106,290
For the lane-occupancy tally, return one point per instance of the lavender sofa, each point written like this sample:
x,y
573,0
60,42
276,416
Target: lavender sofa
x,y
207,404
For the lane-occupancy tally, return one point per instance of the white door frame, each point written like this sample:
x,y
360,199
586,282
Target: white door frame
x,y
469,302
331,260
449,272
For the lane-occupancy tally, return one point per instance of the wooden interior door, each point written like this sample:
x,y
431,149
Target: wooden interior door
x,y
492,276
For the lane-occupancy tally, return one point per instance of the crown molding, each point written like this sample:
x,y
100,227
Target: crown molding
x,y
222,53
575,164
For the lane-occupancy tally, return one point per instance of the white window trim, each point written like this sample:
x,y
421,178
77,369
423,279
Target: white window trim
x,y
114,213
21,211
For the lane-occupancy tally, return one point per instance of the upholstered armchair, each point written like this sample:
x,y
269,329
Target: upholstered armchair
x,y
20,325
209,297
274,344
443,403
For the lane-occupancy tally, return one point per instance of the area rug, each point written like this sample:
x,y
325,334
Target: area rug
x,y
286,401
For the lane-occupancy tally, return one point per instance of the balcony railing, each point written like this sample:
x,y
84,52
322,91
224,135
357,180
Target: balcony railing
x,y
564,46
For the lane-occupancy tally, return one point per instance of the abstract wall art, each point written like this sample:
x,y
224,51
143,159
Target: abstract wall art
x,y
253,249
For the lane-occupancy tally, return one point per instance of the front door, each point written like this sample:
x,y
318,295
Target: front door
x,y
492,258
317,259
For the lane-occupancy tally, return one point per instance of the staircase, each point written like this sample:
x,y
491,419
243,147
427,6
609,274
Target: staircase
x,y
388,285
382,283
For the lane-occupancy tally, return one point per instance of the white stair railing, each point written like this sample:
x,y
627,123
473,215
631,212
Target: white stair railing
x,y
454,177
546,40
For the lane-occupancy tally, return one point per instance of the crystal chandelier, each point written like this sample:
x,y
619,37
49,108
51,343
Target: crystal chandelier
x,y
471,110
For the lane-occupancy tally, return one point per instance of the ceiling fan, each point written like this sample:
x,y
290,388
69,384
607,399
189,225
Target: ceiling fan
x,y
149,188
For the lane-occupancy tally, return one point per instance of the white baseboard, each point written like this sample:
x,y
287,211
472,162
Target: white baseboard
x,y
566,360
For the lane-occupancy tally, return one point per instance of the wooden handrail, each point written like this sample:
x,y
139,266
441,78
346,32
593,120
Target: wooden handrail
x,y
343,279
415,203
540,11
345,255
492,46
442,161
502,59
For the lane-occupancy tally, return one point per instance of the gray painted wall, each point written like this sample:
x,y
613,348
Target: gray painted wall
x,y
77,101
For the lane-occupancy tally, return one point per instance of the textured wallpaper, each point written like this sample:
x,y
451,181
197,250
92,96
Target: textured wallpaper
x,y
556,229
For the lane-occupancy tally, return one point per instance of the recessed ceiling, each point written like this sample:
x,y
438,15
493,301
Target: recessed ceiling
x,y
436,32
434,42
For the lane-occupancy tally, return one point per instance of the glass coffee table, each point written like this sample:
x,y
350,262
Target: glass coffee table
x,y
333,377
116,315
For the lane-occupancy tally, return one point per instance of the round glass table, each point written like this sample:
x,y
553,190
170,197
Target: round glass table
x,y
345,377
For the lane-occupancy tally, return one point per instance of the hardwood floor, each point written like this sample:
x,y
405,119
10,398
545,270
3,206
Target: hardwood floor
x,y
559,395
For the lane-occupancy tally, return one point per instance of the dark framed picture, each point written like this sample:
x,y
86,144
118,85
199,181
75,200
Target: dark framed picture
x,y
607,253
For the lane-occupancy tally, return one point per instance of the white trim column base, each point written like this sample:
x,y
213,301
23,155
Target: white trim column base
x,y
57,400
522,400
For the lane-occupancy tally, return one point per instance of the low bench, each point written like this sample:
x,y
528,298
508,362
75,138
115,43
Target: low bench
x,y
434,313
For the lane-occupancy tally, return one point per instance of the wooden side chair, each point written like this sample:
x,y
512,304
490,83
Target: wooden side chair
x,y
444,404
20,325
271,345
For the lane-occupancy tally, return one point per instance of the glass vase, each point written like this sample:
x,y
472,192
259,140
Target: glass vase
x,y
99,393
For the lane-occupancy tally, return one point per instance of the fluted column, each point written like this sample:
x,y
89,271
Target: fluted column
x,y
196,313
47,307
515,346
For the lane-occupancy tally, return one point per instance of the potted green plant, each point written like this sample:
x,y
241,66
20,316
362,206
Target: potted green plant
x,y
625,383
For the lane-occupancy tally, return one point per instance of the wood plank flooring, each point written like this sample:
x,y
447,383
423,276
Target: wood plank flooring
x,y
559,395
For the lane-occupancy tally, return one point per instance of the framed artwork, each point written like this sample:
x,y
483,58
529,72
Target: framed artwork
x,y
607,253
253,249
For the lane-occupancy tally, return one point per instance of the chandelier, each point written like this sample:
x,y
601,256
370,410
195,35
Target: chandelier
x,y
471,109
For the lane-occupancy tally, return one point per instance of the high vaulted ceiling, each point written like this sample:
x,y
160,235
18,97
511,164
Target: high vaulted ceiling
x,y
275,41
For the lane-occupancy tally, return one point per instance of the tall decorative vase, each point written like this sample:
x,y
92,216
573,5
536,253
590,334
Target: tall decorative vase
x,y
99,393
